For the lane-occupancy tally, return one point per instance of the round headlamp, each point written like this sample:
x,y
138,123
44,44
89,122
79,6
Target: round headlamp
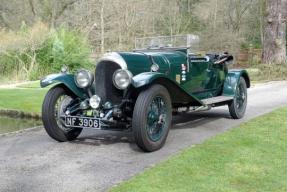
x,y
122,78
83,78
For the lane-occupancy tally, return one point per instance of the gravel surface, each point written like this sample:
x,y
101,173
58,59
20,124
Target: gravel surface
x,y
32,162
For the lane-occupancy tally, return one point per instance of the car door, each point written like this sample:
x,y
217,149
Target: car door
x,y
216,77
199,77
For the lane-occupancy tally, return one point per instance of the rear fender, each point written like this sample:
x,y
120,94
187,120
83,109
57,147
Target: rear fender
x,y
177,93
67,80
232,80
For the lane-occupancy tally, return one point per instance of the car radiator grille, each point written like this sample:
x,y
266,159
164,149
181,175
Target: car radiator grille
x,y
104,82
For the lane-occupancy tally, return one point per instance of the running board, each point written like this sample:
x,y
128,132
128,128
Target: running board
x,y
214,100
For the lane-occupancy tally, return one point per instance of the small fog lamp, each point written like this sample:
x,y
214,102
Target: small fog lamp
x,y
95,101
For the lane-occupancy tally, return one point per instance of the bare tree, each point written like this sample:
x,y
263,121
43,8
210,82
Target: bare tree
x,y
109,24
102,26
235,12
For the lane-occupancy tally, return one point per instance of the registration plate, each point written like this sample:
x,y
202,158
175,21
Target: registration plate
x,y
82,122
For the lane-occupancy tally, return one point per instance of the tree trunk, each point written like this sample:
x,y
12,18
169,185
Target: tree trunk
x,y
261,13
102,27
215,15
274,40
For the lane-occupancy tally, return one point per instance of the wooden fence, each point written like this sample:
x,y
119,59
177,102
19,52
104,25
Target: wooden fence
x,y
248,58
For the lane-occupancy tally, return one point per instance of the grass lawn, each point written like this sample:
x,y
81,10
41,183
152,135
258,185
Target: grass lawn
x,y
251,157
27,100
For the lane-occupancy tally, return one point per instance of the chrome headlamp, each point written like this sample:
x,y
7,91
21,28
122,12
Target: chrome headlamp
x,y
122,78
83,78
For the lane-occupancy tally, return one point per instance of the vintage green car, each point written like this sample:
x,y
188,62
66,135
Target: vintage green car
x,y
141,90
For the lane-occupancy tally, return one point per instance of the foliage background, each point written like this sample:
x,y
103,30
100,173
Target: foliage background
x,y
38,36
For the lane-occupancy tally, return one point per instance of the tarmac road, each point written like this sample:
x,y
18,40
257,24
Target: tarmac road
x,y
33,162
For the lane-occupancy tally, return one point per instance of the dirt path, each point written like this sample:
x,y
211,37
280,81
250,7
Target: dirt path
x,y
14,85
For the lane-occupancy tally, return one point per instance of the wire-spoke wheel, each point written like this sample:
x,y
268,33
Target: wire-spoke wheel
x,y
237,107
54,106
152,118
156,118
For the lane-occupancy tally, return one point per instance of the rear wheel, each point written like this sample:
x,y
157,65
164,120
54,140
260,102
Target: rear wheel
x,y
152,118
237,107
55,103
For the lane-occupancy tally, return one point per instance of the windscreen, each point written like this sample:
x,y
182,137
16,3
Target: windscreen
x,y
188,41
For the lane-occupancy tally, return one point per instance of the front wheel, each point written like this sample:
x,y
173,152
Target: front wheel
x,y
55,103
237,107
152,118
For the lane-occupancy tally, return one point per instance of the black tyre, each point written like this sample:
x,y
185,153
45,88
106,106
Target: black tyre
x,y
53,107
237,107
152,118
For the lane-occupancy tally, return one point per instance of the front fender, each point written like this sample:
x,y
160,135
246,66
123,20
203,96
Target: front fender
x,y
232,80
143,79
67,80
178,94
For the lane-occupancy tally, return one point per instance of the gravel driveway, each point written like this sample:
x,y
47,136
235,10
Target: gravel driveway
x,y
33,162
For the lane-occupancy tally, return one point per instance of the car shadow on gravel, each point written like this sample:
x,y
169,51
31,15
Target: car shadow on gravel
x,y
93,137
196,119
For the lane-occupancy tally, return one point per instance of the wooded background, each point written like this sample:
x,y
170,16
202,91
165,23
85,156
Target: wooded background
x,y
37,34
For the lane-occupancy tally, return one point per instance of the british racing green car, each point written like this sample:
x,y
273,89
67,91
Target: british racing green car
x,y
141,90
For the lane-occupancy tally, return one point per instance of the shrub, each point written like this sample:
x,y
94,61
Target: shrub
x,y
269,72
63,47
37,51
